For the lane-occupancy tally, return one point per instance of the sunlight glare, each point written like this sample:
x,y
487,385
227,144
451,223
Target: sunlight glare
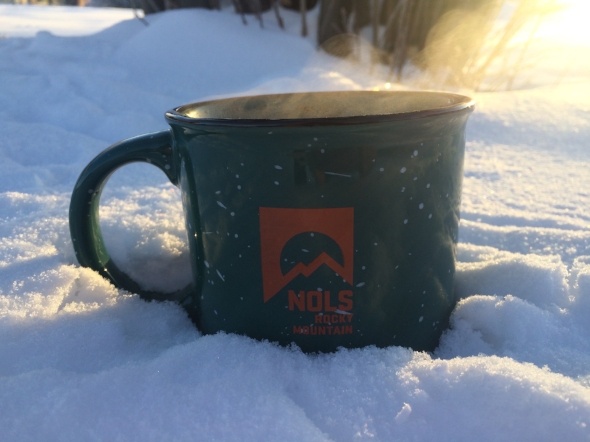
x,y
569,25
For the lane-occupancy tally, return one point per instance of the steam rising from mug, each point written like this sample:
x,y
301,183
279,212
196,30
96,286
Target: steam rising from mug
x,y
477,44
320,105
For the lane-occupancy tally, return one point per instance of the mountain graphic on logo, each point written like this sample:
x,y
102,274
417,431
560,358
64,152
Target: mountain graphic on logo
x,y
290,238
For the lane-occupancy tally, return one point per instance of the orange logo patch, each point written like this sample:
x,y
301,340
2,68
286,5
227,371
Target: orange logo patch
x,y
278,226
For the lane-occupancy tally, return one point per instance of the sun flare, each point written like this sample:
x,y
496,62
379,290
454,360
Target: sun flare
x,y
569,25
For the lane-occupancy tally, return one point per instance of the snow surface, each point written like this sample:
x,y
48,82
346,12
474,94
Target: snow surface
x,y
80,360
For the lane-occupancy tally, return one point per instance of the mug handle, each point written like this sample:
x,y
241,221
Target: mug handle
x,y
154,148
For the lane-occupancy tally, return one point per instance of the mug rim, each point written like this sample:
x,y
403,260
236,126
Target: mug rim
x,y
461,102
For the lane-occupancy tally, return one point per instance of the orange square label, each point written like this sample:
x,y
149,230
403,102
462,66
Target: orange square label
x,y
279,226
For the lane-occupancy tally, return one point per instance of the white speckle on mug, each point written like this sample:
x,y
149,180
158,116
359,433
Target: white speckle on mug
x,y
421,206
235,235
421,319
276,183
220,204
206,263
322,150
428,185
220,275
430,216
403,170
406,221
278,167
345,175
415,153
360,284
381,169
232,213
217,192
239,187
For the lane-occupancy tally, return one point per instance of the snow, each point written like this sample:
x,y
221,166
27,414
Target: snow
x,y
80,360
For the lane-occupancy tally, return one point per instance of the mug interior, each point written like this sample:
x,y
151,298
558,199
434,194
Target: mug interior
x,y
321,106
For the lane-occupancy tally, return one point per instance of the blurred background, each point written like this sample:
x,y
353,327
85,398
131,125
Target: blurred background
x,y
480,45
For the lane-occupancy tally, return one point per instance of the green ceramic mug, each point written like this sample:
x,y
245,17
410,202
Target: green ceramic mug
x,y
324,219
